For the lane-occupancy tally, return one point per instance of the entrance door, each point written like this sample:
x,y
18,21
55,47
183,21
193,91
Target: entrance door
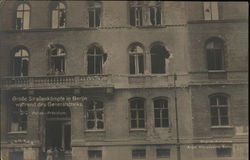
x,y
58,135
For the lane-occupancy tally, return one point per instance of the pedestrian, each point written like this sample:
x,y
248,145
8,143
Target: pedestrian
x,y
49,154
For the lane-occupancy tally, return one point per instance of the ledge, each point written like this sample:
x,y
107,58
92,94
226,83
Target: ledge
x,y
18,132
221,127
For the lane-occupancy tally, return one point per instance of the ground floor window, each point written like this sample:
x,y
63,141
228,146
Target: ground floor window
x,y
139,154
95,154
224,152
162,153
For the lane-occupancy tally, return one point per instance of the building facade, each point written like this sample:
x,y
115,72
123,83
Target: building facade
x,y
108,80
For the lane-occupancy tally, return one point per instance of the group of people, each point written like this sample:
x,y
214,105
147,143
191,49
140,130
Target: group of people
x,y
54,153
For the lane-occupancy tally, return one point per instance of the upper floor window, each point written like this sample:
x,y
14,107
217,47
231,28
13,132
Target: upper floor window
x,y
155,13
94,14
136,59
58,15
135,13
161,113
21,62
95,115
215,54
96,58
23,17
159,54
219,110
18,118
137,113
211,11
57,55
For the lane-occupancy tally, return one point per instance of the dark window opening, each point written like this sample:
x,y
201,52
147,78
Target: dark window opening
x,y
21,62
95,115
215,56
161,113
135,12
136,59
224,152
18,118
162,153
94,17
155,15
96,58
158,56
16,155
58,15
219,111
137,113
139,154
56,60
95,154
23,17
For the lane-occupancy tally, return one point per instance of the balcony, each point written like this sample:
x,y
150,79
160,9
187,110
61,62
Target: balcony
x,y
56,82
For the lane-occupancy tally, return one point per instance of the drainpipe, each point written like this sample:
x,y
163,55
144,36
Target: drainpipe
x,y
177,125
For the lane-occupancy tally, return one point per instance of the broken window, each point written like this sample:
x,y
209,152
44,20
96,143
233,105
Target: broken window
x,y
95,155
58,15
136,59
155,13
137,113
18,118
139,154
162,153
57,55
215,55
20,62
211,11
224,152
135,11
219,110
158,56
94,14
95,115
96,58
161,113
23,17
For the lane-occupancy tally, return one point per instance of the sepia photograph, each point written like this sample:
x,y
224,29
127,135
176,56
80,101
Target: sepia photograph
x,y
124,80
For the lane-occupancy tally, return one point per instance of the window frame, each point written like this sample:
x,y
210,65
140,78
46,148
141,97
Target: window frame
x,y
23,17
55,7
137,5
218,106
21,59
215,51
94,6
137,119
161,114
95,119
156,6
136,59
94,158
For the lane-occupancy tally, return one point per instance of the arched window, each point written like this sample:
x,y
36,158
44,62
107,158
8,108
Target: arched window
x,y
96,58
18,118
135,13
57,55
94,14
215,54
20,62
23,16
136,58
58,15
158,56
219,110
95,115
137,113
161,113
155,12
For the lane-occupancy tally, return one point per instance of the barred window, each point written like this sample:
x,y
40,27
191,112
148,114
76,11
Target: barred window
x,y
215,54
20,62
137,113
136,59
95,115
58,15
23,17
219,110
161,113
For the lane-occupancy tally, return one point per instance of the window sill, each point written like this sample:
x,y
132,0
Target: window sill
x,y
222,127
17,132
138,130
216,71
94,130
